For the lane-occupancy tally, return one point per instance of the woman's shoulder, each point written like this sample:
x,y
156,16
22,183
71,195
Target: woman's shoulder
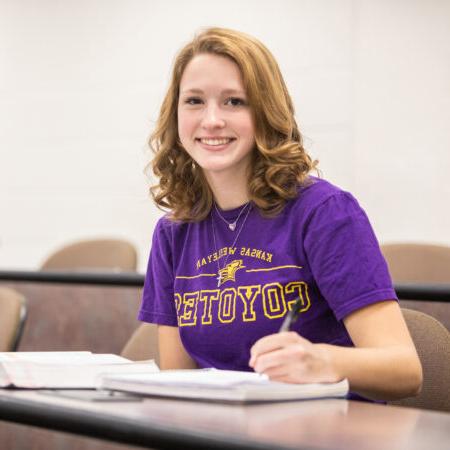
x,y
170,227
166,224
321,199
315,191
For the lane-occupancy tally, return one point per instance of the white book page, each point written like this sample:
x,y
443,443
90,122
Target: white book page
x,y
62,357
203,378
26,374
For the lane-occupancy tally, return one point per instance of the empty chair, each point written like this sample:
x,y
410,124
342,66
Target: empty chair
x,y
421,264
12,318
114,254
432,341
418,263
143,344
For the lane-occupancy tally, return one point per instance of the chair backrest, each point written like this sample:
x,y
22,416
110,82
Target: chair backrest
x,y
421,263
143,344
94,253
13,314
432,341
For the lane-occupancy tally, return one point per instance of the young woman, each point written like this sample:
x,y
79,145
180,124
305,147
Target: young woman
x,y
250,230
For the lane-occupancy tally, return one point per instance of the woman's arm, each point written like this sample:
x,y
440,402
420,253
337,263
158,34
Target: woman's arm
x,y
383,364
172,354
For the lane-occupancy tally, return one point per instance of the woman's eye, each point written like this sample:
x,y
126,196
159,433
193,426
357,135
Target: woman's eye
x,y
235,101
193,101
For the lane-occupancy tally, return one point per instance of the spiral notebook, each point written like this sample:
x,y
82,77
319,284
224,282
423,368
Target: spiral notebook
x,y
219,385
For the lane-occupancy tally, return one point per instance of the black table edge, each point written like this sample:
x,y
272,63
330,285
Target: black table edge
x,y
116,429
433,292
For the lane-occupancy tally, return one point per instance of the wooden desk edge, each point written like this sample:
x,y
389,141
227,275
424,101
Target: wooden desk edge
x,y
117,429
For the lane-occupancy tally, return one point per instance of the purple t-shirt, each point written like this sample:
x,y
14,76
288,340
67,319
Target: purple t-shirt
x,y
321,247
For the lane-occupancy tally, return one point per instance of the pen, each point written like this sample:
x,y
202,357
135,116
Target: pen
x,y
291,316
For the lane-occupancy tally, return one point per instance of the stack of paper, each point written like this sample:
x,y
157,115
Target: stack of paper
x,y
220,385
58,370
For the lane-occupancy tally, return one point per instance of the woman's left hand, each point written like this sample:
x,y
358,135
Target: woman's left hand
x,y
290,358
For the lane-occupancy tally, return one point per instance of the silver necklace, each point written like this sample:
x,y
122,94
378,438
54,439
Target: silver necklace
x,y
219,269
231,225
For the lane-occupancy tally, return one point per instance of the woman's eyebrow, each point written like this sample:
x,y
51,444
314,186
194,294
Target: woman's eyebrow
x,y
233,92
224,92
192,91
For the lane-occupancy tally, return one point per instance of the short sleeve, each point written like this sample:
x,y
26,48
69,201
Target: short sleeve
x,y
158,303
345,257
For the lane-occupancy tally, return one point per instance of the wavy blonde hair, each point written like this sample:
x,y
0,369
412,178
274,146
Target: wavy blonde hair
x,y
280,163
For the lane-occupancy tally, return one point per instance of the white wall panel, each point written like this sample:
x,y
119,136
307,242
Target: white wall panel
x,y
81,84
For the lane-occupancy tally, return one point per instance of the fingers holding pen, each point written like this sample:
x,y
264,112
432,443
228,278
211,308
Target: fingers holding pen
x,y
288,357
275,350
278,360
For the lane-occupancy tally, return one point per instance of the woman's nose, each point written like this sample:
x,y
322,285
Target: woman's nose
x,y
212,117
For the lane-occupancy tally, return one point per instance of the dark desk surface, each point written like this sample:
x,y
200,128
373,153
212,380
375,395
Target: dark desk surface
x,y
161,423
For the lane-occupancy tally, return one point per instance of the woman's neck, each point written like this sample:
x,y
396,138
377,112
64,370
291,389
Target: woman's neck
x,y
226,201
229,195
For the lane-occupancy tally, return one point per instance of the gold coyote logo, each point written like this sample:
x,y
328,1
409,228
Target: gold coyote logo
x,y
228,273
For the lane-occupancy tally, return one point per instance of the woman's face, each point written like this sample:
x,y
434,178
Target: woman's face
x,y
215,123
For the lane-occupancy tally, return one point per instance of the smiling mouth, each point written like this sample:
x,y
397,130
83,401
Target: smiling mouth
x,y
216,141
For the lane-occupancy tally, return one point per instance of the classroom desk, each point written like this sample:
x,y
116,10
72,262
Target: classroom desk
x,y
168,424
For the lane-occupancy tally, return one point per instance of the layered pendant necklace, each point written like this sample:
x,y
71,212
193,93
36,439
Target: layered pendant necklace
x,y
222,276
231,225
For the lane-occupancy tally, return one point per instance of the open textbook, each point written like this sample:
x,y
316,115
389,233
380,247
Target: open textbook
x,y
59,370
219,385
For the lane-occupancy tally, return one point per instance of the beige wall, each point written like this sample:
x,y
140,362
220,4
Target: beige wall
x,y
81,83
